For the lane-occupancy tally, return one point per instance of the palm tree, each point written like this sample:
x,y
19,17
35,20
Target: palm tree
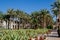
x,y
24,16
6,18
44,12
56,8
1,15
49,20
39,17
10,13
1,18
20,15
34,19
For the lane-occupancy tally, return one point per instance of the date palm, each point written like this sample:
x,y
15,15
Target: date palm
x,y
49,20
56,12
1,15
24,16
44,12
39,17
56,8
34,19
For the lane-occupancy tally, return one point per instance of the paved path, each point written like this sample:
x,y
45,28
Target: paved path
x,y
53,36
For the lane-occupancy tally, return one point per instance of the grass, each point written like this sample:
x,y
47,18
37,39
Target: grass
x,y
21,34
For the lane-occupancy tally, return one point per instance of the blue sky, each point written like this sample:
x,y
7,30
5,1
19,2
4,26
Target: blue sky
x,y
25,5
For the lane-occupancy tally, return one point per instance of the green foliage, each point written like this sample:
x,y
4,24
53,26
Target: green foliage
x,y
22,34
50,27
37,17
40,27
1,15
56,7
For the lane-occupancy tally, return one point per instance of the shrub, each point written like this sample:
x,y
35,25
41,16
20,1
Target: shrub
x,y
50,27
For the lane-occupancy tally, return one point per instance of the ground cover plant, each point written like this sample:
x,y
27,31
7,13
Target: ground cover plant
x,y
22,34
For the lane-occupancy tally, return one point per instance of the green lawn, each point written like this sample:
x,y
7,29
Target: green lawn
x,y
22,34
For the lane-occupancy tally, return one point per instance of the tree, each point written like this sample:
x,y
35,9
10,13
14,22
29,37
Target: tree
x,y
1,15
44,12
34,19
56,8
49,20
41,18
37,19
24,16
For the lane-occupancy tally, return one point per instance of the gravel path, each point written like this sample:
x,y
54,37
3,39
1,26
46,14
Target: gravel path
x,y
53,36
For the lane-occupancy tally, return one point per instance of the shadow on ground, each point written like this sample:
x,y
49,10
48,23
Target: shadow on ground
x,y
54,36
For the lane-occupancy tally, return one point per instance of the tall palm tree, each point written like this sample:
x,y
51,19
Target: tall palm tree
x,y
39,17
49,20
24,16
10,14
34,19
1,15
44,12
20,14
6,18
1,18
56,8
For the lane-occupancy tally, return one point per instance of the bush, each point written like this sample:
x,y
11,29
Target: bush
x,y
49,27
40,27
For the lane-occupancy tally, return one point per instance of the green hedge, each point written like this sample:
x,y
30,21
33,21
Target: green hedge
x,y
49,27
22,34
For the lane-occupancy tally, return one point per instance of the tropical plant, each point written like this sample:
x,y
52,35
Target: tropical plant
x,y
56,8
21,34
56,12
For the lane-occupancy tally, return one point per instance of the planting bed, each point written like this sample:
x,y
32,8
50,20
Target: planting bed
x,y
22,34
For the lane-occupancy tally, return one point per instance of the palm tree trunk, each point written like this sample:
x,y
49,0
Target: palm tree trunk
x,y
8,24
44,22
18,25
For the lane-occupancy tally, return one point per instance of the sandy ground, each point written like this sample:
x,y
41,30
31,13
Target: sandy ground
x,y
53,36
